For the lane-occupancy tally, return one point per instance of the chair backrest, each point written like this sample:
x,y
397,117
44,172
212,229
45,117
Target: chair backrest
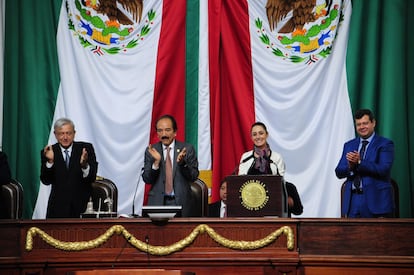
x,y
105,191
396,194
11,200
342,198
200,195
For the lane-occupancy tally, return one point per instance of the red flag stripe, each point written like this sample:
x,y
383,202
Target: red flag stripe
x,y
169,90
232,93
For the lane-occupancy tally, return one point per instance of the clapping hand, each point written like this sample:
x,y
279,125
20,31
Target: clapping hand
x,y
181,155
155,155
48,151
353,158
84,158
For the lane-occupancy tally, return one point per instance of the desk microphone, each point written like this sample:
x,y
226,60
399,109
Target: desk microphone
x,y
272,162
235,170
135,194
246,159
120,252
265,157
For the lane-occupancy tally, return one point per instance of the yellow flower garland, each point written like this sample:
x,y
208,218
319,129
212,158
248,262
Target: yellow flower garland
x,y
160,250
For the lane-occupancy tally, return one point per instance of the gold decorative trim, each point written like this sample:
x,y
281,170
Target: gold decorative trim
x,y
160,250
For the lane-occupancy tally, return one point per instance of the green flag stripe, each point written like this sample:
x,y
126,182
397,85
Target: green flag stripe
x,y
192,56
377,66
31,85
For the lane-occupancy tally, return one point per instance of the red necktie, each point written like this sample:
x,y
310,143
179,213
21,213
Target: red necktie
x,y
168,174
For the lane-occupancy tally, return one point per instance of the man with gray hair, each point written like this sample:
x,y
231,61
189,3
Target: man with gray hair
x,y
69,167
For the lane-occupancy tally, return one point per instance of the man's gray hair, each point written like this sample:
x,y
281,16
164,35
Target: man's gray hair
x,y
63,121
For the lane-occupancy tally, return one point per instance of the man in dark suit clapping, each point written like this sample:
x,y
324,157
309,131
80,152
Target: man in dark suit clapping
x,y
366,164
69,167
170,166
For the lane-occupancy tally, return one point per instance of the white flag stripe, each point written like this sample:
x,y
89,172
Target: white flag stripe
x,y
308,114
109,98
204,133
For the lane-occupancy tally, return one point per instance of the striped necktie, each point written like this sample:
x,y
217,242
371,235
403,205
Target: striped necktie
x,y
67,158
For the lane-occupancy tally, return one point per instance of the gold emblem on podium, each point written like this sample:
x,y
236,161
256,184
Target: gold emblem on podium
x,y
254,195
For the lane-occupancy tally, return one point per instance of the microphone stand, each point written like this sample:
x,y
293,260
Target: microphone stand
x,y
133,215
236,169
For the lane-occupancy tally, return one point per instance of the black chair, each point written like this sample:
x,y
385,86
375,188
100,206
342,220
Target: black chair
x,y
104,195
200,194
396,194
11,200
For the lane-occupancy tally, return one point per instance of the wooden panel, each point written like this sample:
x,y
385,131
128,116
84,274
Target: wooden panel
x,y
356,246
357,271
321,246
203,255
9,239
391,237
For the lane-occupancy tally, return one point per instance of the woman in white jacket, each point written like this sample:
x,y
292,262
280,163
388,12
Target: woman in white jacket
x,y
261,160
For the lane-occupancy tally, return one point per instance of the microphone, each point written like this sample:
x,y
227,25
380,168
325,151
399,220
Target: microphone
x,y
272,162
243,161
120,252
246,159
135,194
235,170
277,168
277,171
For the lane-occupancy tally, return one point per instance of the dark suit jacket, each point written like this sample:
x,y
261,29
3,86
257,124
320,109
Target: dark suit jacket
x,y
70,190
5,174
183,176
214,209
375,172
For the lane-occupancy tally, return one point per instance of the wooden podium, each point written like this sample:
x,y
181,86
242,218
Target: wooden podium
x,y
256,196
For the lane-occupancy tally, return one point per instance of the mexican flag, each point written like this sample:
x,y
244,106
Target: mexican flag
x,y
216,65
117,78
293,79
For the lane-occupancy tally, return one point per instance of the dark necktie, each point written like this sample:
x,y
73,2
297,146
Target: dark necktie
x,y
67,158
357,180
363,147
168,173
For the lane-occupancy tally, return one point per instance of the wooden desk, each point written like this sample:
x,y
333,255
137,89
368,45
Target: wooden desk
x,y
357,246
320,246
130,272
